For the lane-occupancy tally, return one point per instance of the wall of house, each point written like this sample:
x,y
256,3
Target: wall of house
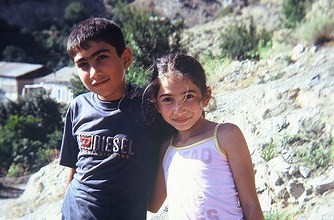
x,y
60,92
9,87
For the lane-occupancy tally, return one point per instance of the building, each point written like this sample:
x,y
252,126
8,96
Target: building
x,y
14,76
19,79
56,83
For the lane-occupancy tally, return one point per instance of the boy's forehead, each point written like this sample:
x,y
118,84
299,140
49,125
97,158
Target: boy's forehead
x,y
92,49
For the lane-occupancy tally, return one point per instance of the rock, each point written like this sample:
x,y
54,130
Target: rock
x,y
295,189
42,197
304,171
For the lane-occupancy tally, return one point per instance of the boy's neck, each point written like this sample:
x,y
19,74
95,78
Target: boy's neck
x,y
121,92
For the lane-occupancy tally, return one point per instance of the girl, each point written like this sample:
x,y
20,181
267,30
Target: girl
x,y
205,168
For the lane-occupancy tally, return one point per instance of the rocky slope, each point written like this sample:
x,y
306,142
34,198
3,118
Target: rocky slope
x,y
284,104
291,113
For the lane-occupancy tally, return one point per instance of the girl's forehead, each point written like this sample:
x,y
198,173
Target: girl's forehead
x,y
176,85
174,80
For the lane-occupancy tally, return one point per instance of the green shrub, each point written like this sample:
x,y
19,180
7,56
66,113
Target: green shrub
x,y
137,75
75,12
77,86
311,150
268,151
28,133
293,12
315,156
214,66
15,170
242,42
277,216
226,10
317,31
149,36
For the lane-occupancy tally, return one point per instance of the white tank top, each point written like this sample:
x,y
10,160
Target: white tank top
x,y
199,182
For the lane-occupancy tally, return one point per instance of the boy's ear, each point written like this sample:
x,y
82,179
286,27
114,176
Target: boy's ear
x,y
127,57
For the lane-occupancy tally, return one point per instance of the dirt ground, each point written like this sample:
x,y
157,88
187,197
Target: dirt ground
x,y
12,187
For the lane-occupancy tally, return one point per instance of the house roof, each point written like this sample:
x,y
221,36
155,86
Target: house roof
x,y
16,70
64,74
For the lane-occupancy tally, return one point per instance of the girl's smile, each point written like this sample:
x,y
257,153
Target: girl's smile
x,y
180,102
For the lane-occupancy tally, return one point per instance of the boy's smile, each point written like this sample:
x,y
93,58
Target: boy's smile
x,y
102,71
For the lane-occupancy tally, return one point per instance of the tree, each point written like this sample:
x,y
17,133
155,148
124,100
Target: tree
x,y
29,132
149,36
293,11
14,54
40,105
75,12
77,86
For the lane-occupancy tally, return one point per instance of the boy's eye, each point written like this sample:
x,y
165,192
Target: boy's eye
x,y
101,57
82,65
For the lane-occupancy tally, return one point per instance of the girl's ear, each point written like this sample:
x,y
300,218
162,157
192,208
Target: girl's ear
x,y
127,57
157,107
207,97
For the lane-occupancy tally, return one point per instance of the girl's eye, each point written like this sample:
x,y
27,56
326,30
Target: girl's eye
x,y
167,99
189,96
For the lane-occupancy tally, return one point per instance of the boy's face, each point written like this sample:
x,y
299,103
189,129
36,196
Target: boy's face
x,y
102,71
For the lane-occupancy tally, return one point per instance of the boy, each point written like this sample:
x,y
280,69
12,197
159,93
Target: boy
x,y
110,151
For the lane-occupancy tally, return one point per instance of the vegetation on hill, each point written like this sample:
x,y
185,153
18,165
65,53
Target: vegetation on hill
x,y
310,22
149,35
30,133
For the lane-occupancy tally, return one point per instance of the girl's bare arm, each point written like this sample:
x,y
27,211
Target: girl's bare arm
x,y
159,192
233,143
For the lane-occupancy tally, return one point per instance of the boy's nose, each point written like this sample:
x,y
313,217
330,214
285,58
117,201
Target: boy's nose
x,y
94,72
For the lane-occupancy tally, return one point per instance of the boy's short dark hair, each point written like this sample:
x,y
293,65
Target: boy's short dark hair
x,y
95,29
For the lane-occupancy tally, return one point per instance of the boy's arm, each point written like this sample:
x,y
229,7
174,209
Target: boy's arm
x,y
70,174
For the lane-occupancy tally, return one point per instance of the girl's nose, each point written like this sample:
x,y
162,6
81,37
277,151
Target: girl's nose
x,y
178,108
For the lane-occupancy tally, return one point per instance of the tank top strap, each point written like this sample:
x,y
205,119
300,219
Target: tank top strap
x,y
215,137
171,141
216,131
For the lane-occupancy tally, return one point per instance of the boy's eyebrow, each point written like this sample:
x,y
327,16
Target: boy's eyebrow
x,y
92,56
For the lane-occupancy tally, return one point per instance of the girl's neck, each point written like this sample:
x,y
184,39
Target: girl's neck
x,y
201,130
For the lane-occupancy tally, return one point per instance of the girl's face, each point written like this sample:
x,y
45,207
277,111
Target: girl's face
x,y
180,102
102,71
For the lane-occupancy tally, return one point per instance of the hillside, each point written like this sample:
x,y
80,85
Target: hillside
x,y
283,103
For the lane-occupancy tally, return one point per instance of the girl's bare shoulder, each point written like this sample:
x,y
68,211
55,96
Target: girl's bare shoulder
x,y
230,136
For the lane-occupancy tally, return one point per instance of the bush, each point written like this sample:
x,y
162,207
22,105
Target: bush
x,y
75,12
30,133
277,216
315,156
269,151
293,12
77,86
241,42
149,36
317,31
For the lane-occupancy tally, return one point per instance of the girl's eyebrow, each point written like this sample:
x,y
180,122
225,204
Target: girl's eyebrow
x,y
184,93
95,54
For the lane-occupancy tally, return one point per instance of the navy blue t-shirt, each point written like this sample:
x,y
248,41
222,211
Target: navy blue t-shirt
x,y
114,152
